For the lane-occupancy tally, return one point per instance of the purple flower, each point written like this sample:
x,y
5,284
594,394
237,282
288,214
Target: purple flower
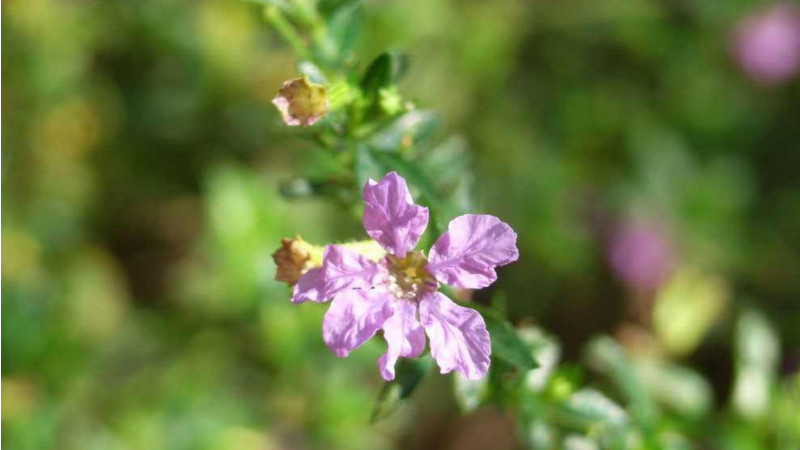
x,y
640,255
767,44
399,294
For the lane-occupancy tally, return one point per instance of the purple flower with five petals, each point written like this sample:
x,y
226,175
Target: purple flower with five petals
x,y
399,294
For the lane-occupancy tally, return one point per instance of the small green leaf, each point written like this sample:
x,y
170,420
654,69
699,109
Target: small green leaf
x,y
592,412
546,351
592,406
408,131
679,388
606,356
345,27
329,7
385,71
757,358
409,373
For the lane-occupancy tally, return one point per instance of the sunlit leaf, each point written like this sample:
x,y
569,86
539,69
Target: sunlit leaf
x,y
546,353
757,352
687,307
606,356
405,132
678,388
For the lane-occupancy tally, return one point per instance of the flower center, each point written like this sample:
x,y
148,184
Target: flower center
x,y
408,277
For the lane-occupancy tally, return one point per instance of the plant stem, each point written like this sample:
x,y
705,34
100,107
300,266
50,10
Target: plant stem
x,y
278,21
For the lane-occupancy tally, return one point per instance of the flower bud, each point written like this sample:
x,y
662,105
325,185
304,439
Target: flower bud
x,y
294,258
301,102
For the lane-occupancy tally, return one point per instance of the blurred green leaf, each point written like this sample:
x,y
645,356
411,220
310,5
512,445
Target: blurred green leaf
x,y
385,71
678,388
589,406
545,351
469,394
405,132
599,417
345,27
606,356
687,307
757,351
408,374
329,7
312,71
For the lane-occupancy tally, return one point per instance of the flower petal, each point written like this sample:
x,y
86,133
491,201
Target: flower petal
x,y
341,269
390,215
458,336
353,318
468,252
310,286
403,334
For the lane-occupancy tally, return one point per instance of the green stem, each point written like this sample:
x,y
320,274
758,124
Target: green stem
x,y
278,21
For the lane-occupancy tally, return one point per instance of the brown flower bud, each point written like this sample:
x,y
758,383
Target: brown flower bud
x,y
301,102
294,258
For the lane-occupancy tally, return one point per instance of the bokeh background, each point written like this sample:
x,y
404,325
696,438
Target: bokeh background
x,y
646,152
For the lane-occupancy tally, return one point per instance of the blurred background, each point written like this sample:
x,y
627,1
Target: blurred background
x,y
646,152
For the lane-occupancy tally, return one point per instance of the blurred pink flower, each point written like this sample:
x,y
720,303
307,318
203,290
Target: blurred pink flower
x,y
399,293
640,255
767,44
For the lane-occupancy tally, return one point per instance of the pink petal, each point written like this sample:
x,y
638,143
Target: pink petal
x,y
310,286
341,269
390,215
404,335
458,336
353,318
468,252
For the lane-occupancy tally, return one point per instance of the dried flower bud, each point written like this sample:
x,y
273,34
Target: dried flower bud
x,y
301,102
294,258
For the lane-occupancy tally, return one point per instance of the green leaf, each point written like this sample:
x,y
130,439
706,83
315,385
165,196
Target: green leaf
x,y
407,131
545,351
606,356
589,406
687,308
678,388
409,373
329,7
592,412
385,71
313,72
506,343
757,358
345,27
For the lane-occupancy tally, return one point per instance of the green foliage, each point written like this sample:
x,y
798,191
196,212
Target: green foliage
x,y
147,179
